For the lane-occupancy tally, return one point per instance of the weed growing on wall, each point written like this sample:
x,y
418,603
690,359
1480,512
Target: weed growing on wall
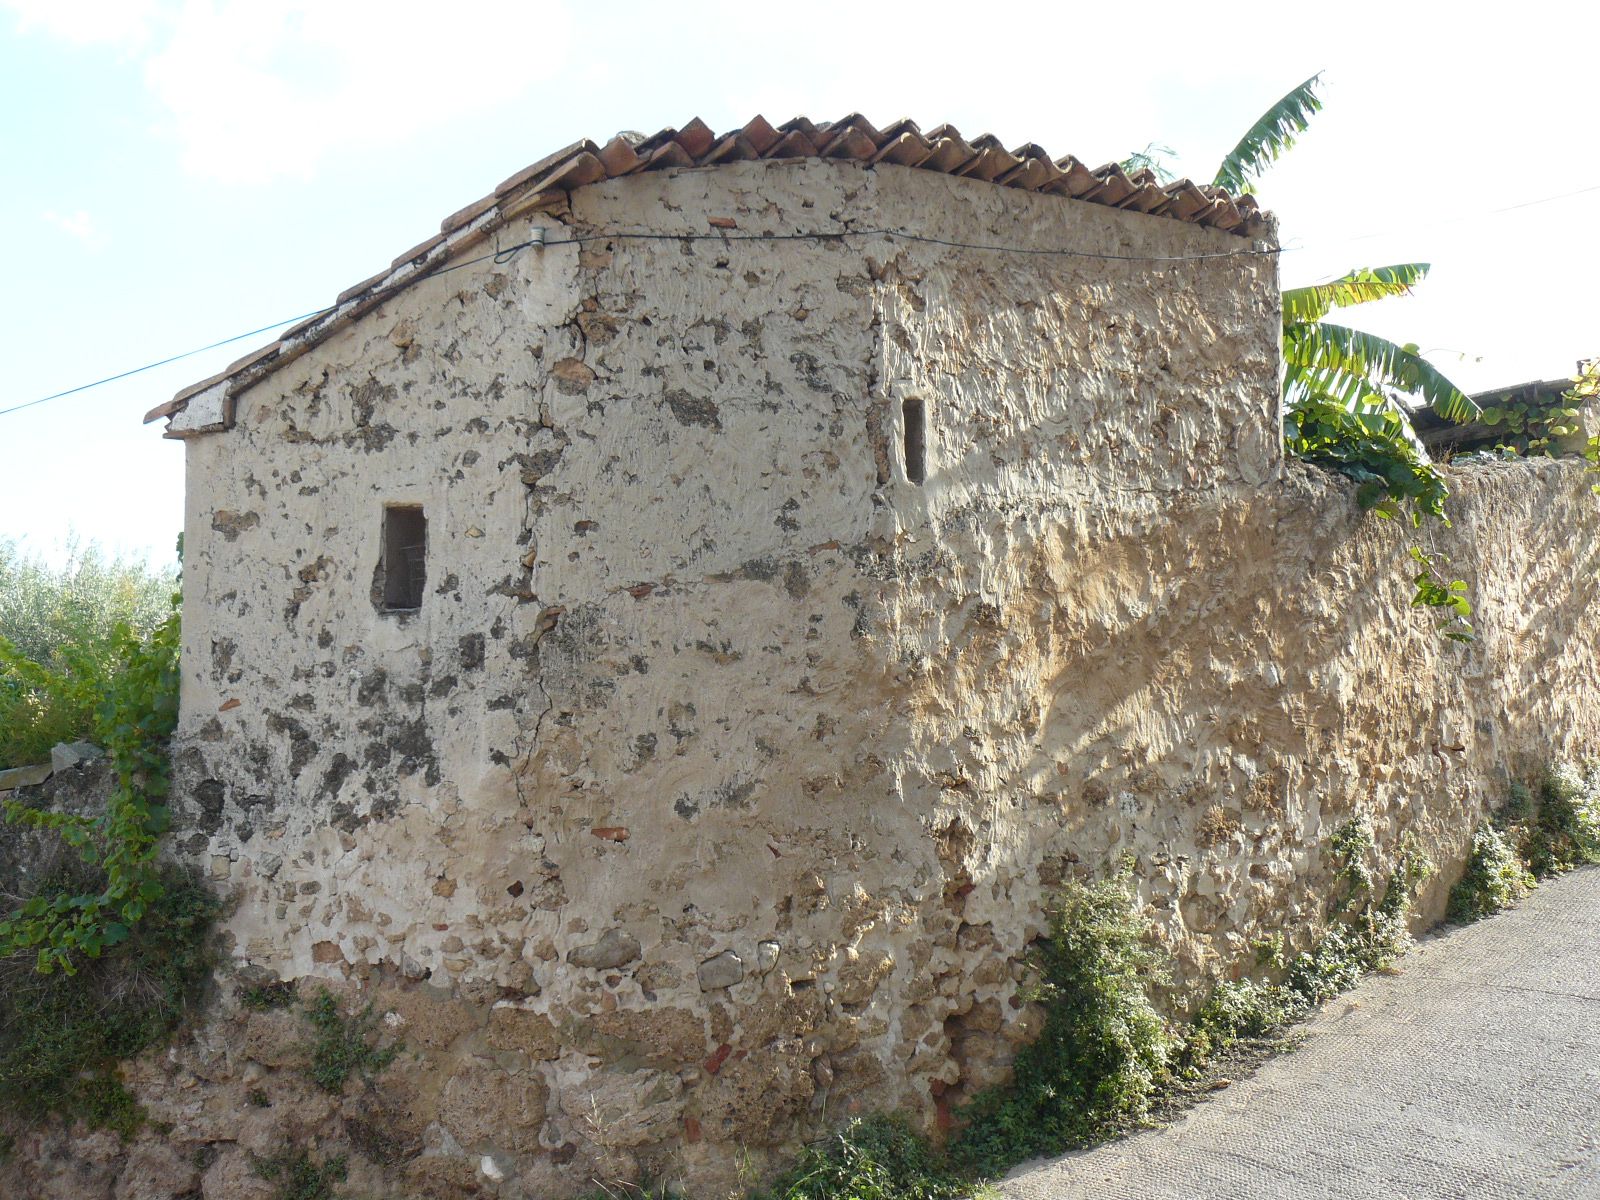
x,y
1494,880
873,1158
1538,832
61,1035
1366,932
1104,1049
344,1045
1105,1057
1563,831
263,997
296,1175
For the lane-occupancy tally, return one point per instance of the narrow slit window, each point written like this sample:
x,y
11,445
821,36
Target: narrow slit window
x,y
916,439
405,556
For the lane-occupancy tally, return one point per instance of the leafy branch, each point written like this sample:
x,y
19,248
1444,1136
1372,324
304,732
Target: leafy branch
x,y
136,717
1433,592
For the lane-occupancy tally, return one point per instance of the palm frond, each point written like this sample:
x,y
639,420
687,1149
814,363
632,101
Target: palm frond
x,y
1269,137
1349,366
1312,303
1152,158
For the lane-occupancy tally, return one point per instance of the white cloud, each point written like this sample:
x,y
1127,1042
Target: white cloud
x,y
127,23
258,89
79,226
254,90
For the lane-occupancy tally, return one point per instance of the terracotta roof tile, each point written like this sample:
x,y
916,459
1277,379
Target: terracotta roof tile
x,y
534,170
736,147
949,154
908,149
760,134
618,156
852,138
695,137
796,143
420,250
463,217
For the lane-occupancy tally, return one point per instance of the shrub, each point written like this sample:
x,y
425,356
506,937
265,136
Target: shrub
x,y
1494,880
102,959
136,715
873,1158
60,642
1103,1050
1564,831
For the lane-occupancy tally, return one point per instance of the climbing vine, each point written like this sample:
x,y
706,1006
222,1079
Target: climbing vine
x,y
136,717
1374,446
1527,425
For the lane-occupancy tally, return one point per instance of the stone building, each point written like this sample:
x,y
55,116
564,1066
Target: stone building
x,y
663,638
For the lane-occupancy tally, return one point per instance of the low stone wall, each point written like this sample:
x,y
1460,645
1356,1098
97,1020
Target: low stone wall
x,y
798,611
1211,688
77,782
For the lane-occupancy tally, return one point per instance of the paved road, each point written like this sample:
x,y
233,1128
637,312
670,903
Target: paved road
x,y
1475,1073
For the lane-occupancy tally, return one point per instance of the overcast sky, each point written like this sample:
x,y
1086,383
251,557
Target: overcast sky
x,y
178,172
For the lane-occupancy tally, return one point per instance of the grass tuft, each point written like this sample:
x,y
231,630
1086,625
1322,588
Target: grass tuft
x,y
872,1158
61,1035
344,1045
297,1176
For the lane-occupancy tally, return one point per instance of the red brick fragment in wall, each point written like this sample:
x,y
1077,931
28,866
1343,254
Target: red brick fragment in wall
x,y
714,1063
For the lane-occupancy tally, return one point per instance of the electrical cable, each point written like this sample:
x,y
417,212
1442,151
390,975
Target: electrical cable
x,y
238,337
505,256
509,253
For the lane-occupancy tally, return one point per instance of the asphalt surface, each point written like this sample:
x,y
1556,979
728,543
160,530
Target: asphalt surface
x,y
1473,1072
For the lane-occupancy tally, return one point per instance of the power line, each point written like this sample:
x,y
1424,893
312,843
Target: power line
x,y
510,252
1459,220
506,255
238,337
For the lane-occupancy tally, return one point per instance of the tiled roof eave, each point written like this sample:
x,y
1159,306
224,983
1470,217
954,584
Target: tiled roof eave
x,y
546,184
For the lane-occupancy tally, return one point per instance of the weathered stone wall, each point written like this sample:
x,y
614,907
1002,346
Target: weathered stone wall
x,y
719,784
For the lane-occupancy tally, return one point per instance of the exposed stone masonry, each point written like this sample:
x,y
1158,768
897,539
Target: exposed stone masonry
x,y
720,783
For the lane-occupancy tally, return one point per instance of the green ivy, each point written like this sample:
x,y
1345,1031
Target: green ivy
x,y
1373,445
137,714
1537,427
